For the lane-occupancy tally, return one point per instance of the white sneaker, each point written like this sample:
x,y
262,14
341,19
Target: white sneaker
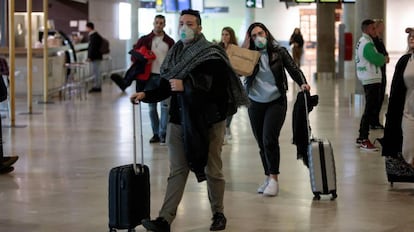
x,y
272,188
263,186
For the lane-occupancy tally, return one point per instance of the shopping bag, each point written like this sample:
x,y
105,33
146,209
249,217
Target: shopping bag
x,y
242,60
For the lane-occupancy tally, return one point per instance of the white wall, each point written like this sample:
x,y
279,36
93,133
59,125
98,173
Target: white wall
x,y
399,15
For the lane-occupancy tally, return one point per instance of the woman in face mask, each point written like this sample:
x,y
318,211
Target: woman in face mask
x,y
228,36
266,89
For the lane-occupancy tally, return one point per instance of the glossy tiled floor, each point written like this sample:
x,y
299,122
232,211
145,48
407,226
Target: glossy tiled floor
x,y
60,181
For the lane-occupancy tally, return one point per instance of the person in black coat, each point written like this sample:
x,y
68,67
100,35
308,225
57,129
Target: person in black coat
x,y
296,39
204,90
379,45
95,56
266,89
398,132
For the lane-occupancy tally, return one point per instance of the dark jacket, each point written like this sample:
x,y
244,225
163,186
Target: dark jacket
x,y
392,140
202,104
146,40
300,124
379,45
279,60
296,38
95,42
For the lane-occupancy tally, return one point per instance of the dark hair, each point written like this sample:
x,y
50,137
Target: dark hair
x,y
366,23
270,38
192,12
233,39
160,17
90,25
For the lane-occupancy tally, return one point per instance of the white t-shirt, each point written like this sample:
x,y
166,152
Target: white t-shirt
x,y
160,48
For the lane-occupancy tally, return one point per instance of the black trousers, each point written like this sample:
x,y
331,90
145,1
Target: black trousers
x,y
266,120
381,97
370,116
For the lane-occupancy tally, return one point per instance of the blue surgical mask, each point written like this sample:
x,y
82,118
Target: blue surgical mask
x,y
260,42
186,34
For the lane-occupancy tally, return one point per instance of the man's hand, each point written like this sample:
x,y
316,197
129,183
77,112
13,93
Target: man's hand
x,y
176,85
305,87
137,97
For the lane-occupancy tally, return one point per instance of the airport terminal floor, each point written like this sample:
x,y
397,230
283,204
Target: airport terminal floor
x,y
66,149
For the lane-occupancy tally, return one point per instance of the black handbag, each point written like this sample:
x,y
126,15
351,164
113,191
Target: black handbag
x,y
3,90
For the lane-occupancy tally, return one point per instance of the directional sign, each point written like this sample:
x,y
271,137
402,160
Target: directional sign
x,y
254,3
250,3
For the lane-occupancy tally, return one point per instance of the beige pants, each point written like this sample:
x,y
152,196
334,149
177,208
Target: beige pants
x,y
297,54
179,170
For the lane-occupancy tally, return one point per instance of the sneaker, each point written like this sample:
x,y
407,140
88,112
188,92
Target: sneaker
x,y
5,170
376,127
155,139
119,81
162,141
95,90
358,142
219,222
366,145
272,188
263,186
157,225
8,161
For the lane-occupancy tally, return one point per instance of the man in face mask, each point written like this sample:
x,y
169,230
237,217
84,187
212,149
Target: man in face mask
x,y
204,90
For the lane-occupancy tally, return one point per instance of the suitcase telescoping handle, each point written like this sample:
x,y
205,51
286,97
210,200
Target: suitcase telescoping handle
x,y
137,107
307,116
306,111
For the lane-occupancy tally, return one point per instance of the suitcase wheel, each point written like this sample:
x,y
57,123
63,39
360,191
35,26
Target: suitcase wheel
x,y
334,195
317,197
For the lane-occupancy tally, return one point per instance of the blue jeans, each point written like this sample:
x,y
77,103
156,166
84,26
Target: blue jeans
x,y
159,124
96,70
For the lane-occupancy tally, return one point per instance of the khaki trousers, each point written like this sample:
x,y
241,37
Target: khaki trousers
x,y
179,170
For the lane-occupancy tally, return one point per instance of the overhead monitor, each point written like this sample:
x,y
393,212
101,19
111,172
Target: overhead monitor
x,y
174,6
305,1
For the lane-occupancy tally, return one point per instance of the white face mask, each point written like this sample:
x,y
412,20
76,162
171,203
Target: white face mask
x,y
260,42
186,34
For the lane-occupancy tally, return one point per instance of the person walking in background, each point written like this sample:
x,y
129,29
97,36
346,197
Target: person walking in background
x,y
158,42
228,37
204,90
368,64
95,56
297,40
379,45
266,89
399,124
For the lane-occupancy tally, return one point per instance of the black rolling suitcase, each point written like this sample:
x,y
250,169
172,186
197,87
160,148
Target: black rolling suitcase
x,y
321,162
129,189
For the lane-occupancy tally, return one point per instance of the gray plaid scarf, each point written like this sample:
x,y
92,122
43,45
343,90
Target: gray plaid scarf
x,y
181,60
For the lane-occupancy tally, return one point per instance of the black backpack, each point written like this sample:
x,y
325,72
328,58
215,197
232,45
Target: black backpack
x,y
104,49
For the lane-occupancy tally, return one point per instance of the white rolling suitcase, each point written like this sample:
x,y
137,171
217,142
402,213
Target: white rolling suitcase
x,y
321,164
322,168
